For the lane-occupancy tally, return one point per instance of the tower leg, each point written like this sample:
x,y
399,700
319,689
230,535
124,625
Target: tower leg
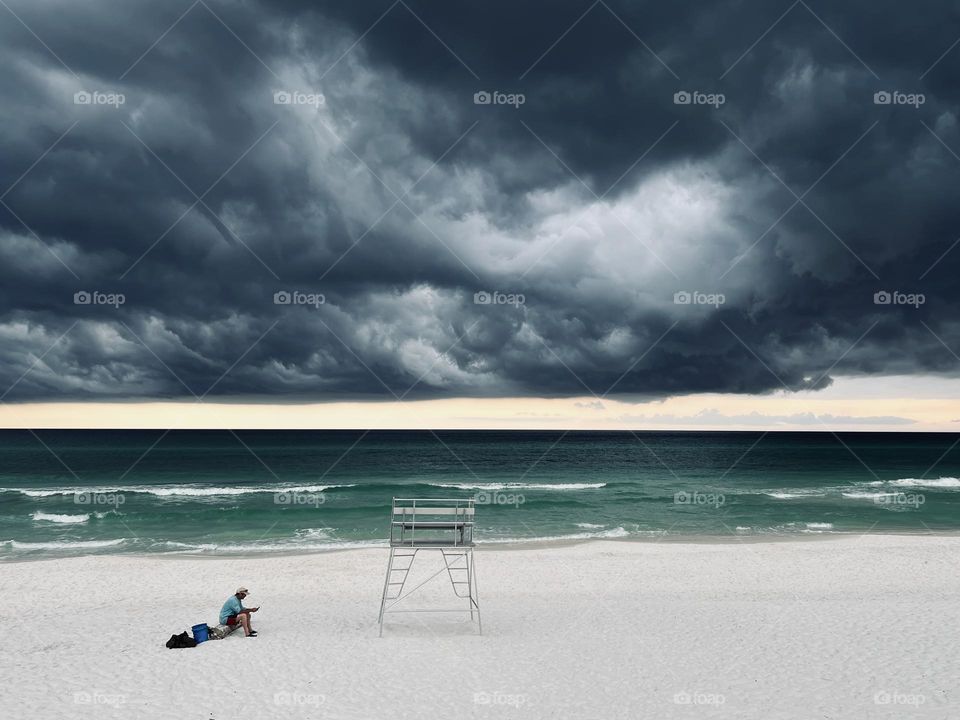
x,y
474,594
386,588
469,559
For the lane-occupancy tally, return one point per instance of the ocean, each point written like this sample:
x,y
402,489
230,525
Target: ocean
x,y
70,492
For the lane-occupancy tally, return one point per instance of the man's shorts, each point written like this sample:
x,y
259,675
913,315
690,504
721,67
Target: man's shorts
x,y
232,620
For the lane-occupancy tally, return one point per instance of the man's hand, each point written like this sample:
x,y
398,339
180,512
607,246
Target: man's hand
x,y
255,609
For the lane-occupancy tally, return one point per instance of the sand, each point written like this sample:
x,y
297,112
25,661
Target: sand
x,y
852,627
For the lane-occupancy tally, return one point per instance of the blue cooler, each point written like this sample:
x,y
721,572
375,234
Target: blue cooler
x,y
200,633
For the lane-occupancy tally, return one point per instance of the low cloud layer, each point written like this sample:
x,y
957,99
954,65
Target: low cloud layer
x,y
300,201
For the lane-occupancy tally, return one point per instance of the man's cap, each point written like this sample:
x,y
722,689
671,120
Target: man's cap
x,y
242,590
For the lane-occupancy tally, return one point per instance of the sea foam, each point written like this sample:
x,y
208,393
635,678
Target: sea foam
x,y
66,544
177,491
942,482
293,546
617,532
62,519
521,486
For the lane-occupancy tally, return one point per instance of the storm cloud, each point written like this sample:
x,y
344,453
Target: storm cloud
x,y
292,200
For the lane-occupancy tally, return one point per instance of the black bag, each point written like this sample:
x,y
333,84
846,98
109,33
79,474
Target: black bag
x,y
181,641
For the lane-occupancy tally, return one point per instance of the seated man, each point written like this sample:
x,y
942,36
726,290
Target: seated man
x,y
234,613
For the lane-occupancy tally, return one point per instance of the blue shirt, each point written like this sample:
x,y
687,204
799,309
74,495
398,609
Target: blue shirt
x,y
231,607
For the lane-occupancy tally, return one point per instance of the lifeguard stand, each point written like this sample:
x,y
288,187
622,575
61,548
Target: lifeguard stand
x,y
443,525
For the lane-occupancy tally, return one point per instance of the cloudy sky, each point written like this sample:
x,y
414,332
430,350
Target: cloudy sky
x,y
741,214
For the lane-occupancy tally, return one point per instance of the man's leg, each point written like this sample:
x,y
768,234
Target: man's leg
x,y
244,620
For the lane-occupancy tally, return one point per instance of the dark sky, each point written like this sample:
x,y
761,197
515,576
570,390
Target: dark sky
x,y
398,197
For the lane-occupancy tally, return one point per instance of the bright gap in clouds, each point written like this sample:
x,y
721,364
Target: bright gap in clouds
x,y
910,404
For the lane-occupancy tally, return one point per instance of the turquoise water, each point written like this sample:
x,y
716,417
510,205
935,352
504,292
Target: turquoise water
x,y
213,492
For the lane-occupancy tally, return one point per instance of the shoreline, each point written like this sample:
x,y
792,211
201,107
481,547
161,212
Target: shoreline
x,y
533,545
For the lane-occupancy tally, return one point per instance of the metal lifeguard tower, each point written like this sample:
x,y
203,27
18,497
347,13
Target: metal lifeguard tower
x,y
444,525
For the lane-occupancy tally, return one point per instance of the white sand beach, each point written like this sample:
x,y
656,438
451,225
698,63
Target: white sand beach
x,y
853,627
